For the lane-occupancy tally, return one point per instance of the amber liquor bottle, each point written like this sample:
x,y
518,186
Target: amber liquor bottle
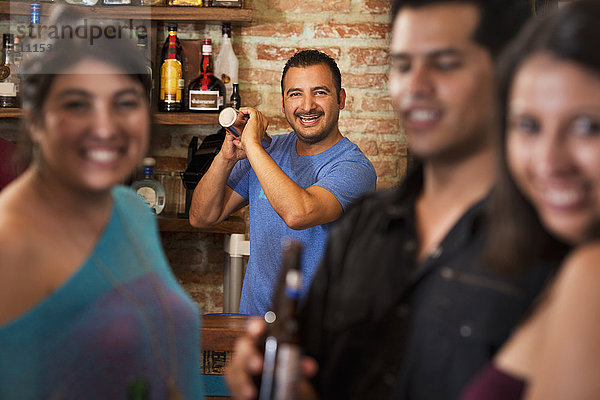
x,y
171,73
206,93
281,368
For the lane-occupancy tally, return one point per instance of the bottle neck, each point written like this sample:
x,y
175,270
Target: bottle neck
x,y
7,59
148,171
172,52
207,64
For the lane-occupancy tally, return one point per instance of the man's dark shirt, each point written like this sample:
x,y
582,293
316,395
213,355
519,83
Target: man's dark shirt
x,y
381,325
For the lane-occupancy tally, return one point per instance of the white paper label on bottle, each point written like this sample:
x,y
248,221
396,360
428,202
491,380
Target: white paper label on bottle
x,y
8,89
205,100
148,194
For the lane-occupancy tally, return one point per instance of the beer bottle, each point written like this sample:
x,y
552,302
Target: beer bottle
x,y
281,369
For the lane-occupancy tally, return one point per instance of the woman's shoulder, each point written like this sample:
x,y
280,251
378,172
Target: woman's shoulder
x,y
18,235
579,277
583,262
17,222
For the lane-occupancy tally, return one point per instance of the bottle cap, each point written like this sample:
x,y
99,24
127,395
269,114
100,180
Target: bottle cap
x,y
226,29
172,26
148,162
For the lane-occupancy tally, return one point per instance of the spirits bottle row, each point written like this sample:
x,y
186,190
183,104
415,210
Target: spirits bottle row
x,y
193,3
215,85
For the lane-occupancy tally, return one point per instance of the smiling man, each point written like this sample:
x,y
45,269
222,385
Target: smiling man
x,y
296,186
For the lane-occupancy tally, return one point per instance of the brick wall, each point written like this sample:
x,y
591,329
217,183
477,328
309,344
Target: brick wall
x,y
356,34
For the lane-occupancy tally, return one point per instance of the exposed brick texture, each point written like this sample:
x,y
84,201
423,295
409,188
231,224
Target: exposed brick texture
x,y
356,34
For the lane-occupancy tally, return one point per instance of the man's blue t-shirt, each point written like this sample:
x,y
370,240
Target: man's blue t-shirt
x,y
342,169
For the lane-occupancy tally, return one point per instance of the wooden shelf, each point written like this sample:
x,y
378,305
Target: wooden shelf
x,y
186,118
233,224
219,331
178,118
10,113
207,14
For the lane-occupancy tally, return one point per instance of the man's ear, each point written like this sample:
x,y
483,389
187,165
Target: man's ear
x,y
282,105
342,99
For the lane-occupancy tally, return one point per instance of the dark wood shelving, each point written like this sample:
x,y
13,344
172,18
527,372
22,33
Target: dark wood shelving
x,y
202,14
186,118
233,224
178,118
10,113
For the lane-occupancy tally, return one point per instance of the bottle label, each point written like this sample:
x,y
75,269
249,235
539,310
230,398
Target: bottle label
x,y
148,194
170,81
287,372
8,89
205,100
4,72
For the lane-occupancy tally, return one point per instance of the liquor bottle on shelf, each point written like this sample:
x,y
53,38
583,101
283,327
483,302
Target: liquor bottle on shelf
x,y
17,52
118,2
34,13
206,93
152,2
142,44
281,368
226,3
151,190
171,73
235,100
193,3
9,80
226,63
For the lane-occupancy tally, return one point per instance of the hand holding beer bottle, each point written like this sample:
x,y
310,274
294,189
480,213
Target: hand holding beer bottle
x,y
267,362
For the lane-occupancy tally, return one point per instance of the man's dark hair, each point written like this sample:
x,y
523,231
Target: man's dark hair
x,y
307,58
500,20
571,34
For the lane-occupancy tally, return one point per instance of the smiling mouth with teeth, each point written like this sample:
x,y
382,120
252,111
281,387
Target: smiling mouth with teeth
x,y
309,118
102,155
423,115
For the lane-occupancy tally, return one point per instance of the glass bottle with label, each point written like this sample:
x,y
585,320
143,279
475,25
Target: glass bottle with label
x,y
235,100
226,63
206,93
151,190
281,367
171,73
142,44
9,80
119,2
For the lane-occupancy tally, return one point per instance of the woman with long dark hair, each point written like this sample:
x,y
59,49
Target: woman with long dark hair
x,y
550,182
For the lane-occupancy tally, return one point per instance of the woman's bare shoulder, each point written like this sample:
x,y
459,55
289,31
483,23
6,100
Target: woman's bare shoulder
x,y
579,278
18,232
583,262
